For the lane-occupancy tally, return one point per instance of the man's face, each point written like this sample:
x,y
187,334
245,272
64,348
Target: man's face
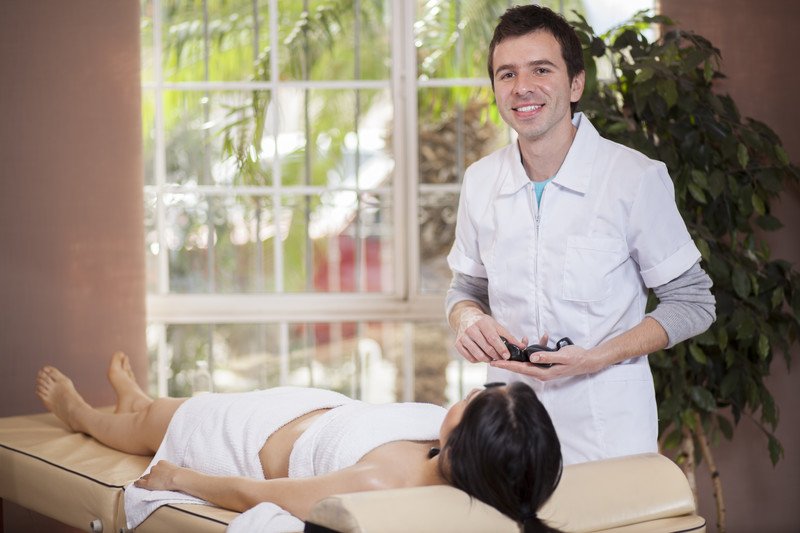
x,y
531,85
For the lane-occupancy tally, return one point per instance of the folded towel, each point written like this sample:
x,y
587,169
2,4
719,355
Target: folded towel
x,y
221,435
342,436
265,518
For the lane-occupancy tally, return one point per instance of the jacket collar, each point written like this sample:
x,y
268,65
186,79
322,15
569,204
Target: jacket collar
x,y
576,170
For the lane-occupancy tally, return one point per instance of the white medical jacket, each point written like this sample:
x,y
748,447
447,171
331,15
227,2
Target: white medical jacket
x,y
577,266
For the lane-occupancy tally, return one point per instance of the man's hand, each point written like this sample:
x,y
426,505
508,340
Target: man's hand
x,y
646,337
478,335
160,477
568,361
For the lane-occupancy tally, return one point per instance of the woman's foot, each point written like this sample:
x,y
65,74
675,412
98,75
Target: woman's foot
x,y
59,396
130,397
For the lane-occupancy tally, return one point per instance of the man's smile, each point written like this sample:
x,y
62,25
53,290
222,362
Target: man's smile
x,y
527,108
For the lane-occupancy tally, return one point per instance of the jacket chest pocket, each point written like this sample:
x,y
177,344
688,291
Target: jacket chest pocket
x,y
589,263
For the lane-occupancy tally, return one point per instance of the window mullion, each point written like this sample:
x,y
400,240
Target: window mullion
x,y
276,160
404,98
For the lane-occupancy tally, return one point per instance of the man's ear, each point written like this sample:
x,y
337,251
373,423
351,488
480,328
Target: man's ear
x,y
576,89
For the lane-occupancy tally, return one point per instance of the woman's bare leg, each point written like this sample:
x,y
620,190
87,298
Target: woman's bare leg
x,y
130,397
138,432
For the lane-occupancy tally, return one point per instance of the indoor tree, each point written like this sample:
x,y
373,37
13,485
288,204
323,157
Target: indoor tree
x,y
660,99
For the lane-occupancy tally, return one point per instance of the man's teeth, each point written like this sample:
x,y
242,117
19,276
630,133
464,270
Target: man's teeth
x,y
528,108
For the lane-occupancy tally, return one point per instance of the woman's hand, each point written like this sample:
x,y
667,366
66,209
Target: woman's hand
x,y
161,477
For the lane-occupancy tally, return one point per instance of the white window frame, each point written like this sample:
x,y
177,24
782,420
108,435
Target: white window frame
x,y
407,301
406,304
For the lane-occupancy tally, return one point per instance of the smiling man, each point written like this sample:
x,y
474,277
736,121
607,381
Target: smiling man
x,y
562,234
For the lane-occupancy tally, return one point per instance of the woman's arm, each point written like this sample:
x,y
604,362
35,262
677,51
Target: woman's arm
x,y
297,496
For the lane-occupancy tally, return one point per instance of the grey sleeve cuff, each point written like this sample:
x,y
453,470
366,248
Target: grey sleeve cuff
x,y
464,287
686,306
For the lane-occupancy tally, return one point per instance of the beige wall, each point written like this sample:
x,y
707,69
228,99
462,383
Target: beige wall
x,y
759,50
71,235
71,261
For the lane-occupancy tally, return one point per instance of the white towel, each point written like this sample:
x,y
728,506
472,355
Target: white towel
x,y
221,435
342,436
266,518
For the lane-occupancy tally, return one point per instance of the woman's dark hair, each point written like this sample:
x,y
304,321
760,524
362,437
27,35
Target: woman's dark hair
x,y
522,20
505,452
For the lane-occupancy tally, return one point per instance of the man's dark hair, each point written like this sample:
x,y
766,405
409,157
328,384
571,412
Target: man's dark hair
x,y
505,452
522,20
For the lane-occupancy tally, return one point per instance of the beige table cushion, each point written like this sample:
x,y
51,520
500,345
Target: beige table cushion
x,y
74,479
626,495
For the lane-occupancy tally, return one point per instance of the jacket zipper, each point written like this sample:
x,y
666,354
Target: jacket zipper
x,y
536,218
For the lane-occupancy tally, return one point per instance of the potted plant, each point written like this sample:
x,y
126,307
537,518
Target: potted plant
x,y
660,99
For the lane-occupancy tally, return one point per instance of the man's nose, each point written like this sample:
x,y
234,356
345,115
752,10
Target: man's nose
x,y
525,84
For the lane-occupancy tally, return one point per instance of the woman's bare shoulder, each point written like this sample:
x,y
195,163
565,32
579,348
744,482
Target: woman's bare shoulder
x,y
399,464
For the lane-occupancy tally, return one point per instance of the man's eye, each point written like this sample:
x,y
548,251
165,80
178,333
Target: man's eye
x,y
506,75
542,70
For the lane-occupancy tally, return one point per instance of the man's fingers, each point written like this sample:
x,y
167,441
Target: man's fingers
x,y
490,342
464,352
477,352
543,374
481,333
501,331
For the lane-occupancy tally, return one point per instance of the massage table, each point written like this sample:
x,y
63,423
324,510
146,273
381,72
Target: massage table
x,y
76,480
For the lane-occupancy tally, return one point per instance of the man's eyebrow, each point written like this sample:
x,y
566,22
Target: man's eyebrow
x,y
534,63
540,62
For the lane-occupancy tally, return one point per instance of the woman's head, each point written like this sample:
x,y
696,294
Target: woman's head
x,y
504,452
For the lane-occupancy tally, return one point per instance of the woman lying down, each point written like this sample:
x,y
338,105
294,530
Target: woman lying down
x,y
295,446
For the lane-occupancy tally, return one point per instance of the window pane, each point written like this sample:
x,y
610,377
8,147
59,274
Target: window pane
x,y
213,40
324,355
151,243
199,125
378,266
437,223
245,357
188,145
456,128
346,131
187,345
187,240
183,38
149,137
338,242
146,32
364,360
243,246
231,38
453,37
334,42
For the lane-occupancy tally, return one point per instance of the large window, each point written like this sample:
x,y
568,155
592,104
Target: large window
x,y
302,169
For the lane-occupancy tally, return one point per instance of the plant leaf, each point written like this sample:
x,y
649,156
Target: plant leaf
x,y
697,193
775,450
698,354
645,74
741,282
777,297
742,155
702,245
768,223
763,346
783,157
668,91
703,398
758,204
